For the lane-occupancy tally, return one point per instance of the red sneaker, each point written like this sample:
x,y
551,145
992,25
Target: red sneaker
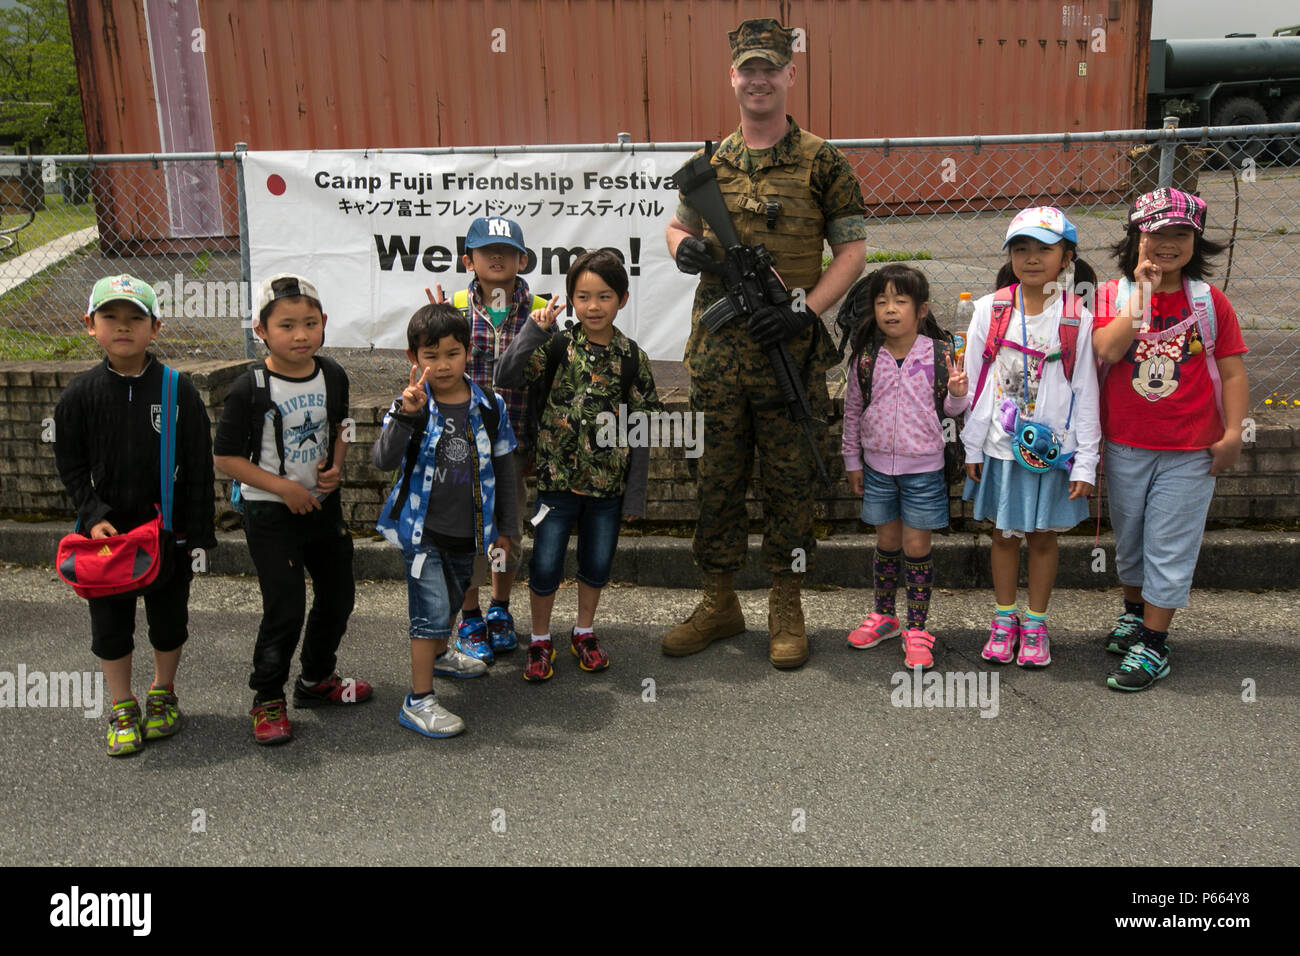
x,y
540,655
270,722
332,690
591,656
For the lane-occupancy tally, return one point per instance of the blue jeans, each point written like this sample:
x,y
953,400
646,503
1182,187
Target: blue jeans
x,y
921,499
597,520
435,589
1158,504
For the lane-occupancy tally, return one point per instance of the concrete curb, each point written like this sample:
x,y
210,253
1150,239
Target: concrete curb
x,y
1235,560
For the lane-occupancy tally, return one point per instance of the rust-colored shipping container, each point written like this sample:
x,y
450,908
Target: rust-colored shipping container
x,y
184,75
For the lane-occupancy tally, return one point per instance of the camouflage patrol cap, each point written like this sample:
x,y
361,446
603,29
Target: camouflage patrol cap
x,y
764,37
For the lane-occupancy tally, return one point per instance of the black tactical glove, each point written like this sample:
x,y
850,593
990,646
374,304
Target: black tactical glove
x,y
772,325
694,255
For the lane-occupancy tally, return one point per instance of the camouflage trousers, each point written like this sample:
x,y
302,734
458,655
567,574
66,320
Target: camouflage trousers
x,y
733,386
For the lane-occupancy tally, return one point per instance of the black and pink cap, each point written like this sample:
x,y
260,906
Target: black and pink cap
x,y
1167,207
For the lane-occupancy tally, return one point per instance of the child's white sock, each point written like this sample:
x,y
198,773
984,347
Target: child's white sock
x,y
583,631
538,638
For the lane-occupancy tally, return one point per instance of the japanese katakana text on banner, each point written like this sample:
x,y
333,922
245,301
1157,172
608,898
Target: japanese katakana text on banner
x,y
374,230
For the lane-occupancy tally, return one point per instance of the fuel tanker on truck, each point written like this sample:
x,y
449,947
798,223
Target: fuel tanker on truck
x,y
1239,80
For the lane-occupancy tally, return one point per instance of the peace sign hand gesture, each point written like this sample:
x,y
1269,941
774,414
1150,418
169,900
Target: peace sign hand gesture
x,y
958,382
440,299
545,318
413,396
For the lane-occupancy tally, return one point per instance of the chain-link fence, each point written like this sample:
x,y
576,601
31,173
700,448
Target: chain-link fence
x,y
941,203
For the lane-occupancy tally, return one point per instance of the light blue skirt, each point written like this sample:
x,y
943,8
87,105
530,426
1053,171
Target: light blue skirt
x,y
1016,499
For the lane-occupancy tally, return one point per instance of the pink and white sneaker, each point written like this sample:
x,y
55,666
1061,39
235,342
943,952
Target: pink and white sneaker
x,y
1035,650
876,628
1004,633
918,644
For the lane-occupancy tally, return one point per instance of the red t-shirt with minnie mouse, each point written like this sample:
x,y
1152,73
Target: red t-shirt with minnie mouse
x,y
1160,395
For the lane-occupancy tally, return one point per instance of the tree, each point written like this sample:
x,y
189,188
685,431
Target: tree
x,y
40,102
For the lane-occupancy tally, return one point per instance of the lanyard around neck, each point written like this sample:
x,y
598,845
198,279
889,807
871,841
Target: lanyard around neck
x,y
1024,355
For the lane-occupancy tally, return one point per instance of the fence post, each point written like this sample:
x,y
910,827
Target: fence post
x,y
245,276
1168,153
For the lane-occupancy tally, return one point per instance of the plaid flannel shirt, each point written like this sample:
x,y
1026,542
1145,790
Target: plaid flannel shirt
x,y
487,344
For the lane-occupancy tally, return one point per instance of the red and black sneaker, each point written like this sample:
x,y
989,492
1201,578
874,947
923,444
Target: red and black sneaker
x,y
332,690
270,722
591,656
540,655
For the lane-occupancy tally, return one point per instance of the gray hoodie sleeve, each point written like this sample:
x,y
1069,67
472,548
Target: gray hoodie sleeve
x,y
638,475
507,508
386,454
513,364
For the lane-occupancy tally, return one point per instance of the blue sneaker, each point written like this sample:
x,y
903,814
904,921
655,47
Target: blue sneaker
x,y
1140,668
472,639
501,630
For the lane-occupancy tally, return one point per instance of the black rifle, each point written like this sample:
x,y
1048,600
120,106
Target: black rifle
x,y
750,276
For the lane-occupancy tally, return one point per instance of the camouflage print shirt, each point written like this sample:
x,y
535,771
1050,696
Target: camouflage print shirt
x,y
833,182
570,456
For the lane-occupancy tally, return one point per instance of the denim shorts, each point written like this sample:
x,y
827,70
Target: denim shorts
x,y
597,520
1158,502
435,589
921,500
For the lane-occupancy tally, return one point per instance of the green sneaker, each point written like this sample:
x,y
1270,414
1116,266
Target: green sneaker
x,y
124,729
162,717
1125,634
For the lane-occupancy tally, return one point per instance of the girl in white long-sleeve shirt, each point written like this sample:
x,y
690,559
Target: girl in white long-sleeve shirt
x,y
1032,435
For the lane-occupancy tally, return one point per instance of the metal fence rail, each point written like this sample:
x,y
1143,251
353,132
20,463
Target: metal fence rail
x,y
941,203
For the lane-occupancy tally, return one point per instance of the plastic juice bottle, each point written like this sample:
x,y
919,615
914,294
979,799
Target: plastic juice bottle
x,y
965,312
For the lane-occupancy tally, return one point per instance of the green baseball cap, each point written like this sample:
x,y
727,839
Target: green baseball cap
x,y
764,37
124,288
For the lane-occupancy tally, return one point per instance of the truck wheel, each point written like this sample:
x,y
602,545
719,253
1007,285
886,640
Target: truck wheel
x,y
1240,111
1287,148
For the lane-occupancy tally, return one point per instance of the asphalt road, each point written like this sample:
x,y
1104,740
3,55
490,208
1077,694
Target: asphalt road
x,y
731,763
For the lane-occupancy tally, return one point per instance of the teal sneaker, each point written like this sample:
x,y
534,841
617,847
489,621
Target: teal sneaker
x,y
1140,668
1125,634
162,717
124,735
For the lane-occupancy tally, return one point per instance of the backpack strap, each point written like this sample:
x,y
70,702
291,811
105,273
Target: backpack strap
x,y
867,370
1068,331
260,405
167,438
491,417
940,376
999,321
557,354
335,408
630,370
460,300
1201,301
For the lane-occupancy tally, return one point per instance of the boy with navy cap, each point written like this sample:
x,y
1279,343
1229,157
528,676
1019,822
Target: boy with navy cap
x,y
496,305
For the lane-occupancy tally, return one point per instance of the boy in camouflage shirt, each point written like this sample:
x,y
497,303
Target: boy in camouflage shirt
x,y
583,478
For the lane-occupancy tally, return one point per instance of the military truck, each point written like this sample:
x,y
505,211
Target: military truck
x,y
1240,80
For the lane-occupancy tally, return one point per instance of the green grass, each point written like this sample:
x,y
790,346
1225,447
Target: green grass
x,y
16,346
897,255
55,220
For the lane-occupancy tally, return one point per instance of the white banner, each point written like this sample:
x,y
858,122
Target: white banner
x,y
373,231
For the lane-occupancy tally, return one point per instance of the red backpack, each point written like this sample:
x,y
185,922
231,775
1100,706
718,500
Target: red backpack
x,y
1003,301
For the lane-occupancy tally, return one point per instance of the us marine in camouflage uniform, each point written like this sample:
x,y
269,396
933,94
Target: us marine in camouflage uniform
x,y
767,159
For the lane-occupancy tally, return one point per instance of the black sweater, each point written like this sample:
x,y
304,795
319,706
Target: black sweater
x,y
107,450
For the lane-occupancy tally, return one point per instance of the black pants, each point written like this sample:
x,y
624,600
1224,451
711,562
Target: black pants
x,y
283,545
112,619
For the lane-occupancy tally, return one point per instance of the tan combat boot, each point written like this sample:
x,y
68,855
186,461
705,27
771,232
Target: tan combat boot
x,y
717,615
788,641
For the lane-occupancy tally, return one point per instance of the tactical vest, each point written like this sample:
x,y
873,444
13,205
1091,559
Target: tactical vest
x,y
796,240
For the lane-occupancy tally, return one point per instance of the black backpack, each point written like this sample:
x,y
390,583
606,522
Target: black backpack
x,y
557,354
336,380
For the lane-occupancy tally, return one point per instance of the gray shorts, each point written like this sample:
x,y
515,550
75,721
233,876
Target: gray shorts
x,y
1158,502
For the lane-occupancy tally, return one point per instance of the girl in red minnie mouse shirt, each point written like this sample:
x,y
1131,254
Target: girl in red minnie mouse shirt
x,y
1172,402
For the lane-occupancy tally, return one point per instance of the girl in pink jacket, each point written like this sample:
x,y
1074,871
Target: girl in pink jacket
x,y
893,445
